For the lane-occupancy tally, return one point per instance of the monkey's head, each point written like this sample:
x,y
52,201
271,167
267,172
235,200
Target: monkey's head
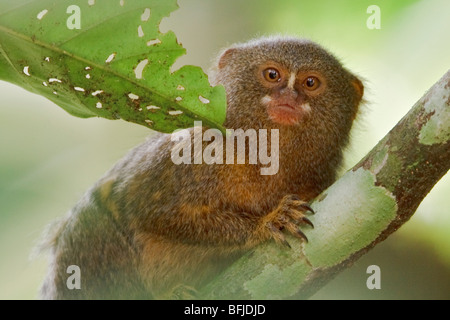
x,y
280,82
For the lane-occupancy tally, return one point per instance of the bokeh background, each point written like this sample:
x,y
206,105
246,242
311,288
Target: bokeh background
x,y
49,158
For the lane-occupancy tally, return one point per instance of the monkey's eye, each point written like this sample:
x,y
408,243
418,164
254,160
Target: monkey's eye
x,y
311,83
272,75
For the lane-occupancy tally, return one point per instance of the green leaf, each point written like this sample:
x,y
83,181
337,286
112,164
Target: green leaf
x,y
116,66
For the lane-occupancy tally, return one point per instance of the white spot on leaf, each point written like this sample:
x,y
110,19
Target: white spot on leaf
x,y
91,2
153,42
153,108
47,59
111,57
140,32
96,93
122,3
51,80
132,96
178,99
55,93
98,105
45,84
79,89
175,113
203,100
181,88
42,14
26,70
146,15
88,76
87,68
149,122
140,68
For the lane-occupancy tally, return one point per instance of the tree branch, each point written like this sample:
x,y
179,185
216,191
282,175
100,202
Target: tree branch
x,y
361,209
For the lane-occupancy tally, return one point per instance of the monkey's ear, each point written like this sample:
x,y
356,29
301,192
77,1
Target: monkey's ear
x,y
359,88
225,57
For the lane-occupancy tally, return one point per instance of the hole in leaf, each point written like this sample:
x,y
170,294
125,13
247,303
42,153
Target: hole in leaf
x,y
26,70
111,57
51,80
132,96
140,68
203,100
153,108
175,113
140,32
153,42
42,14
146,15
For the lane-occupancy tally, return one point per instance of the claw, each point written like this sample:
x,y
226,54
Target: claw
x,y
307,221
285,243
300,234
307,207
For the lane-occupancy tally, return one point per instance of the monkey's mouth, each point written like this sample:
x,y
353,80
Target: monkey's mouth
x,y
286,106
285,114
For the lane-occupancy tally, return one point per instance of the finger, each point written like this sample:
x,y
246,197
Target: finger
x,y
296,215
299,217
293,229
278,236
293,197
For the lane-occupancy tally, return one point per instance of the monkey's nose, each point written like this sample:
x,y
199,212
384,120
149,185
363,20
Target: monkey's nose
x,y
289,93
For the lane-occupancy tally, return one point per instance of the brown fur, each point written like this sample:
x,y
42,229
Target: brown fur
x,y
150,225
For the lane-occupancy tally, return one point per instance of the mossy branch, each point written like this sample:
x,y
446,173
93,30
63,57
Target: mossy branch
x,y
361,209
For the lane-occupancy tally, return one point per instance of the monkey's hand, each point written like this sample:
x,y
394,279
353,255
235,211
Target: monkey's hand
x,y
289,214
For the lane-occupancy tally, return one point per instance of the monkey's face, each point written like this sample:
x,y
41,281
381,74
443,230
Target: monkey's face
x,y
288,92
285,82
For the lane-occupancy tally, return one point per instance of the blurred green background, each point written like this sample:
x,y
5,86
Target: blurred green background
x,y
49,158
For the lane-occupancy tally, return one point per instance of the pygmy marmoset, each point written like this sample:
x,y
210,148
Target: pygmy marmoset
x,y
150,225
